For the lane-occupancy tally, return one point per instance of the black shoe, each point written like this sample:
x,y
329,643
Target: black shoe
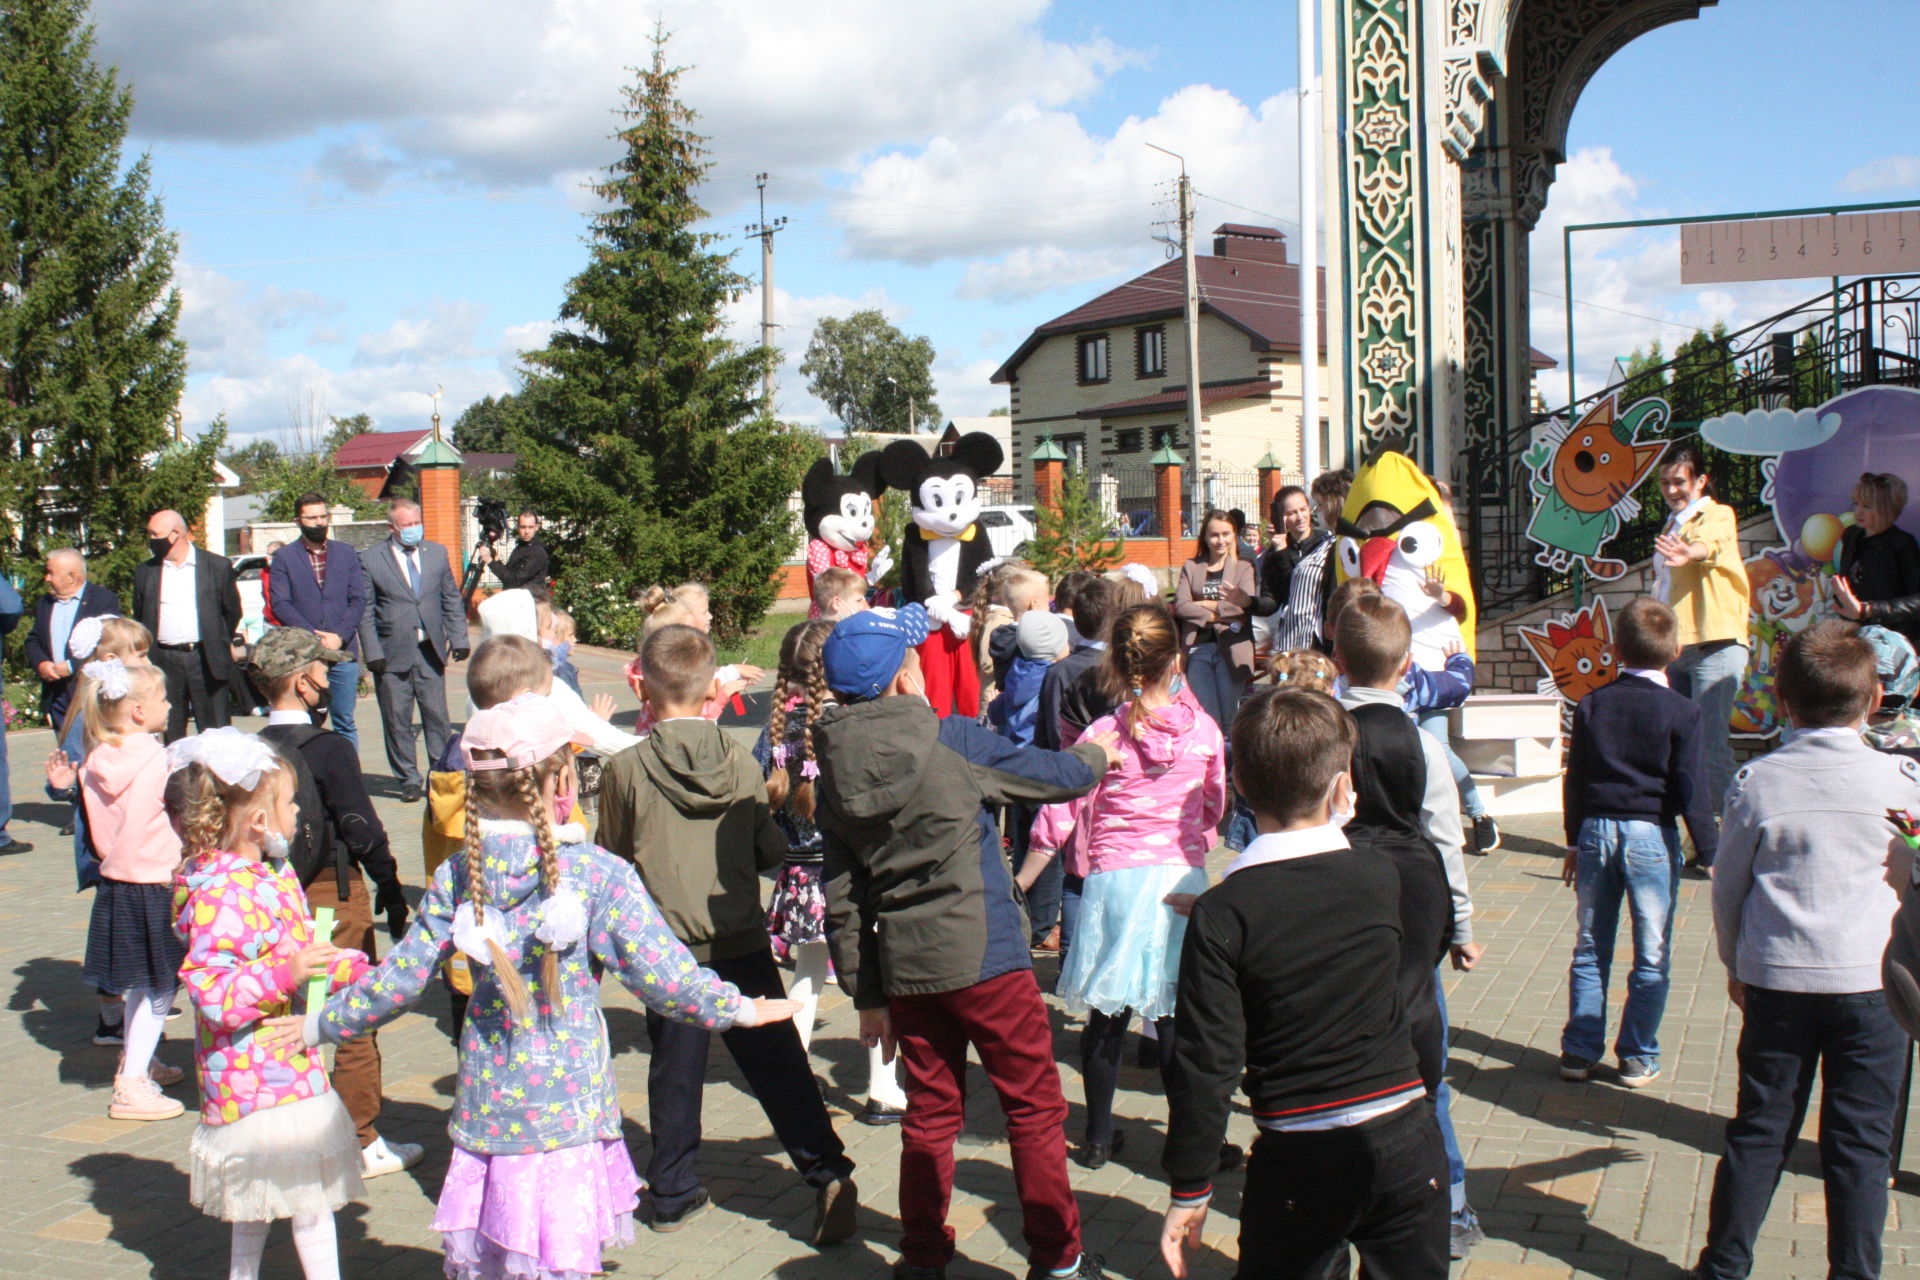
x,y
109,1035
1088,1268
1231,1157
904,1270
836,1208
876,1114
409,795
16,846
1575,1067
701,1202
1094,1155
1696,870
67,830
1486,835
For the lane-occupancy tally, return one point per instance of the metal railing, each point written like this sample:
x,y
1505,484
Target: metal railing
x,y
1864,332
1129,492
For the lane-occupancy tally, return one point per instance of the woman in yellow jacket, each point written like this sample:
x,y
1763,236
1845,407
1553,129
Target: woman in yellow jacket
x,y
1699,572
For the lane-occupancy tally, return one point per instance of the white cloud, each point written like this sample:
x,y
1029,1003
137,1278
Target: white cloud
x,y
518,92
1029,271
1886,173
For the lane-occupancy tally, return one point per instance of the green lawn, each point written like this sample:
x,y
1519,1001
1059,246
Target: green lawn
x,y
761,648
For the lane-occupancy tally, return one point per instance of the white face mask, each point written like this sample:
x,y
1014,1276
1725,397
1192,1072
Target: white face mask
x,y
276,846
1340,817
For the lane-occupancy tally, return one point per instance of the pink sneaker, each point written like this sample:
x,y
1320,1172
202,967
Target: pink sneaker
x,y
139,1098
164,1075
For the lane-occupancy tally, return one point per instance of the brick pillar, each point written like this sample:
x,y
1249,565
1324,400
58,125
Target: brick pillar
x,y
1046,483
1166,502
1271,482
440,510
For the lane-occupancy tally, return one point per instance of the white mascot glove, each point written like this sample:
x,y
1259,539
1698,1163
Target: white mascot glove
x,y
939,609
959,623
878,566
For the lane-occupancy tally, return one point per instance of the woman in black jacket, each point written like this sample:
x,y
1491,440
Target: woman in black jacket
x,y
1879,578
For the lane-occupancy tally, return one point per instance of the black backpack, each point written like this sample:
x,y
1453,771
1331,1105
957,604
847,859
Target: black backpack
x,y
315,839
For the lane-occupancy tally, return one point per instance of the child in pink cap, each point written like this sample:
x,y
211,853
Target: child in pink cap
x,y
540,1181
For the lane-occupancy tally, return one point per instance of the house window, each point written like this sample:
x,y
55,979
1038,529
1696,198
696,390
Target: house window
x,y
1075,447
1093,358
1129,439
1166,438
1150,352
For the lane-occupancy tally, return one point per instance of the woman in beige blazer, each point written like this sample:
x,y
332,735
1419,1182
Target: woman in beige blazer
x,y
1214,603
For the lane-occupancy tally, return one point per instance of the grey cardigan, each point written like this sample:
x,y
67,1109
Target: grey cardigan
x,y
1804,885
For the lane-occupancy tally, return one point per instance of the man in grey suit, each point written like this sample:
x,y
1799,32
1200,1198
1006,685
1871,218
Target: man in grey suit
x,y
413,625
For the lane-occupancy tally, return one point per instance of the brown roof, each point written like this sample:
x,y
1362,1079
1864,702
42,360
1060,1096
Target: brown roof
x,y
376,448
1210,393
1261,299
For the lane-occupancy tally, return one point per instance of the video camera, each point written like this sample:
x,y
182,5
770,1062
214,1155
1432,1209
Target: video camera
x,y
492,514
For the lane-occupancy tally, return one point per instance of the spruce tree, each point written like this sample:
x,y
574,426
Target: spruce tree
x,y
644,441
91,367
1079,534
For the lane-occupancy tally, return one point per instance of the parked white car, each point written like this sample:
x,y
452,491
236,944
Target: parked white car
x,y
247,580
1009,529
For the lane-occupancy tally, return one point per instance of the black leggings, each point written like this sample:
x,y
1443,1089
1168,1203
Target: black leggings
x,y
1101,1046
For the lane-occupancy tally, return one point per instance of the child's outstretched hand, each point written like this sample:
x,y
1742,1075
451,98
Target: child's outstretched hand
x,y
317,958
1182,903
1434,584
602,705
1466,955
283,1032
749,672
61,775
766,1009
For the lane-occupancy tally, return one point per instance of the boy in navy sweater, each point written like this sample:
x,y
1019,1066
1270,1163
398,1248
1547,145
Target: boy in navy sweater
x,y
1637,749
1288,989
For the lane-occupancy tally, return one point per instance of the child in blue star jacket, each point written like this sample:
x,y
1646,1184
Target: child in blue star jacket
x,y
541,1180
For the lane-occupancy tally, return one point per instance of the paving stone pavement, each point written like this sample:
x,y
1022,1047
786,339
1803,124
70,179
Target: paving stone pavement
x,y
1570,1180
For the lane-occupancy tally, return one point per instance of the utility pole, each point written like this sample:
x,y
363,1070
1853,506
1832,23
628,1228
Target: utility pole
x,y
764,231
1310,460
1191,281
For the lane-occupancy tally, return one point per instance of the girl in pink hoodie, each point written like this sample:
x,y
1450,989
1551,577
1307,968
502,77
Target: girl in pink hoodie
x,y
1141,839
131,945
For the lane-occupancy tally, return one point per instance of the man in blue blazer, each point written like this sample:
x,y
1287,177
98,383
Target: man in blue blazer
x,y
318,585
414,625
69,598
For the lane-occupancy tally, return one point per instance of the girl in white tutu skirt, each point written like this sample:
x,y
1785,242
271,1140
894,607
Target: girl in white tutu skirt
x,y
1142,837
274,1140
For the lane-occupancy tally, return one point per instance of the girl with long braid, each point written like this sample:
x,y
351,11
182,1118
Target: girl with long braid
x,y
541,1181
797,913
1141,839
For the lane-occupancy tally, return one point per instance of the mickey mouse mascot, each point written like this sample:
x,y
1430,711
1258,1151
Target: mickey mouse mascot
x,y
945,549
838,511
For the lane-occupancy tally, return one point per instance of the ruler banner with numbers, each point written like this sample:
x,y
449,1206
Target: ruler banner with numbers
x,y
1847,244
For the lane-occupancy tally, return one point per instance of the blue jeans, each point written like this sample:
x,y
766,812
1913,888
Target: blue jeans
x,y
1212,675
1434,721
1639,861
343,690
1709,675
1442,1105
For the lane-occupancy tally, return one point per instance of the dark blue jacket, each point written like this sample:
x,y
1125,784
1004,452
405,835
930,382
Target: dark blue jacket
x,y
1639,752
920,899
1016,712
95,602
299,601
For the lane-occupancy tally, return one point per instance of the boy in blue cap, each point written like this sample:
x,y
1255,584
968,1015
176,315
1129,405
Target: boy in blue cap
x,y
929,934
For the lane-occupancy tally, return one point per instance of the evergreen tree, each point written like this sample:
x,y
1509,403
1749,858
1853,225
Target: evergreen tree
x,y
1812,372
1645,377
644,443
487,425
91,367
1079,535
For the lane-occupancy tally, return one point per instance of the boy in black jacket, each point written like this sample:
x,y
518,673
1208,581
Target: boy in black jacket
x,y
339,836
1637,748
1288,975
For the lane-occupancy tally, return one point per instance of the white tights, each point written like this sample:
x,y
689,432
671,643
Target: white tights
x,y
313,1239
146,1019
810,964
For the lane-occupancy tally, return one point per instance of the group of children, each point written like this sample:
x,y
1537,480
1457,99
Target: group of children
x,y
1309,976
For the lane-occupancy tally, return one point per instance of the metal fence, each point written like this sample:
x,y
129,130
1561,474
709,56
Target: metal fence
x,y
1129,494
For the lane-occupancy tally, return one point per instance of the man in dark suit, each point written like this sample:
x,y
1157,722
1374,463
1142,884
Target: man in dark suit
x,y
318,585
187,598
414,624
69,598
527,566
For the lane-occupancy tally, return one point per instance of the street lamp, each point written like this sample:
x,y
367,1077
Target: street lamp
x,y
896,383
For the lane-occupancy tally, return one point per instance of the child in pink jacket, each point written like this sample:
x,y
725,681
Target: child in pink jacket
x,y
1141,839
274,1140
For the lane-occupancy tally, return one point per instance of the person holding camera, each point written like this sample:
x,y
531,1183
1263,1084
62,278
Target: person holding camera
x,y
527,566
414,625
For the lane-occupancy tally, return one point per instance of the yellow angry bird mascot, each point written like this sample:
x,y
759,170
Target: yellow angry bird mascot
x,y
1397,530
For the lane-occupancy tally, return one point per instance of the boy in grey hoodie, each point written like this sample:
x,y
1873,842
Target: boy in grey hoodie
x,y
1805,888
688,806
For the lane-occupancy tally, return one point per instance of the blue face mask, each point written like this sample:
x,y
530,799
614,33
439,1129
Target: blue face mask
x,y
412,535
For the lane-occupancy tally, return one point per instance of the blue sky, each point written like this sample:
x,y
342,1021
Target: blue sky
x,y
375,199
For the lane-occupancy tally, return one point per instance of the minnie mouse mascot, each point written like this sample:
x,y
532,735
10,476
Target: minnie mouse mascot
x,y
838,511
945,550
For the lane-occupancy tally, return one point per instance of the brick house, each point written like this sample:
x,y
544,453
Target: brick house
x,y
1108,379
367,458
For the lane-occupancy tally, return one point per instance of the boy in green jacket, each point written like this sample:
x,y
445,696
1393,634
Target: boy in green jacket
x,y
688,806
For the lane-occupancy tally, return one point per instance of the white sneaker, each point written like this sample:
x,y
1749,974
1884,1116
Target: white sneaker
x,y
380,1157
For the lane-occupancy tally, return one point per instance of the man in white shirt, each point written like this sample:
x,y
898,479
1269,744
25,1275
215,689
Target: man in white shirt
x,y
187,598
